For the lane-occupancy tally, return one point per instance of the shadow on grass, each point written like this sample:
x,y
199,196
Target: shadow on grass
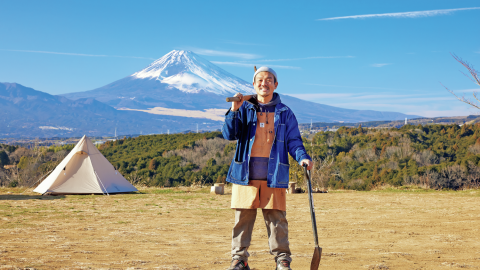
x,y
17,197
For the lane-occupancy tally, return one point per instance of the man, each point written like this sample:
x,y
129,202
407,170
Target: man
x,y
266,131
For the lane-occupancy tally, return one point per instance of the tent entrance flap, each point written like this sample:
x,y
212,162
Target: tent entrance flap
x,y
77,176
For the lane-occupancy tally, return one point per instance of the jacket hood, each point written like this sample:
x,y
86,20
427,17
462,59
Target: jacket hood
x,y
275,100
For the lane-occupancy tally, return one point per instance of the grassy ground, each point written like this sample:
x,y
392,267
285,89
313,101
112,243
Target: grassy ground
x,y
191,229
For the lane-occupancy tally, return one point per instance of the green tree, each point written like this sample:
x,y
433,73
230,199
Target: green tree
x,y
23,163
211,162
412,167
4,160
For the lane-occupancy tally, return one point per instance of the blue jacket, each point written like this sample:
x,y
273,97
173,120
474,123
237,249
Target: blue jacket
x,y
241,126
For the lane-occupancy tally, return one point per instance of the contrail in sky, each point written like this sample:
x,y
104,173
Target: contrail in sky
x,y
307,58
251,65
411,14
224,53
78,54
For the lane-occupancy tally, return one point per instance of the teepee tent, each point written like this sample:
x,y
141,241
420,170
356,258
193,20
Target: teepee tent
x,y
85,170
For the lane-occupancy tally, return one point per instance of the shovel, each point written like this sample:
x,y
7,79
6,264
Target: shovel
x,y
317,253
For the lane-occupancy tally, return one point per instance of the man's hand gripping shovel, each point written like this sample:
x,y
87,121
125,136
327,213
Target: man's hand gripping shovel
x,y
317,253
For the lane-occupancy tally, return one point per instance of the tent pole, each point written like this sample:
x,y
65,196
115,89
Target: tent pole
x,y
98,177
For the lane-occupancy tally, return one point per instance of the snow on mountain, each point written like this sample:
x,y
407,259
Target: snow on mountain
x,y
190,73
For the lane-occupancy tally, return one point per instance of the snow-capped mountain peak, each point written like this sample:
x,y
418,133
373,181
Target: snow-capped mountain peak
x,y
188,72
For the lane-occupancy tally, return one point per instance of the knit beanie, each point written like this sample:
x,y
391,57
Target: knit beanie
x,y
265,69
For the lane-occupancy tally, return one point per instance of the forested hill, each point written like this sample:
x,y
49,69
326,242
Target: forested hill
x,y
435,156
150,146
432,156
171,160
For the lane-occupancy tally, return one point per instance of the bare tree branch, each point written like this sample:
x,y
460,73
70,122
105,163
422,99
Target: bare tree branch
x,y
470,69
474,78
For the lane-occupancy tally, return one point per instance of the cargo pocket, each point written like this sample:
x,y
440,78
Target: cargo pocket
x,y
283,173
238,171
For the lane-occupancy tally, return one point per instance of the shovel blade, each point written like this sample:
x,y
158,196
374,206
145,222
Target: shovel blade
x,y
317,255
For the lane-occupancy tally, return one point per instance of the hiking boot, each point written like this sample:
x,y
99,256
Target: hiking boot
x,y
283,265
239,265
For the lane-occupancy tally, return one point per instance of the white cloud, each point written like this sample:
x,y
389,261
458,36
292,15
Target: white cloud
x,y
438,113
422,110
224,53
251,65
78,54
306,58
361,96
379,65
467,90
425,99
415,104
385,96
379,106
243,43
232,64
411,14
343,86
320,96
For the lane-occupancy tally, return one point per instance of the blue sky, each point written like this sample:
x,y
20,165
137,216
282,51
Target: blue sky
x,y
329,52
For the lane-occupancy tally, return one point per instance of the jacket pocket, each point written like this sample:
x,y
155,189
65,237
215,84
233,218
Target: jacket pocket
x,y
283,173
238,171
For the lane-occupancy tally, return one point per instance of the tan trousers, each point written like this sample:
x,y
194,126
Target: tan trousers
x,y
273,201
277,230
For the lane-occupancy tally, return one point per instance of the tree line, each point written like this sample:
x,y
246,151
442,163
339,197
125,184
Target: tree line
x,y
432,156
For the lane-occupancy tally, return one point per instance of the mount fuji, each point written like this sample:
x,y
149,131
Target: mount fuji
x,y
178,80
181,83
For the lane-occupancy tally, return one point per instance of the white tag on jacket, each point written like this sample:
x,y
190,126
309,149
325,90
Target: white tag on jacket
x,y
262,125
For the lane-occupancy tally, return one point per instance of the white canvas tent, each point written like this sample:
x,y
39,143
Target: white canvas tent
x,y
85,171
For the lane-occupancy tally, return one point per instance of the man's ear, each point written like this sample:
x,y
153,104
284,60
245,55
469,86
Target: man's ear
x,y
276,85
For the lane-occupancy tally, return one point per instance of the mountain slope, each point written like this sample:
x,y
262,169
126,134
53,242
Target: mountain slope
x,y
26,112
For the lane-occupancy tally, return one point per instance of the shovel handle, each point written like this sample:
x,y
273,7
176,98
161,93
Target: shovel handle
x,y
231,99
310,200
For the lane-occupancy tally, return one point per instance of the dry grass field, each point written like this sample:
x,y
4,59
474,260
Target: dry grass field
x,y
190,229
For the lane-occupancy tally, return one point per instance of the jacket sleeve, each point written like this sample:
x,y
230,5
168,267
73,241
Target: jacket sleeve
x,y
294,140
231,129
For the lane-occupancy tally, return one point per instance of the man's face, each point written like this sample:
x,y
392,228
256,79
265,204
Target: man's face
x,y
265,84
